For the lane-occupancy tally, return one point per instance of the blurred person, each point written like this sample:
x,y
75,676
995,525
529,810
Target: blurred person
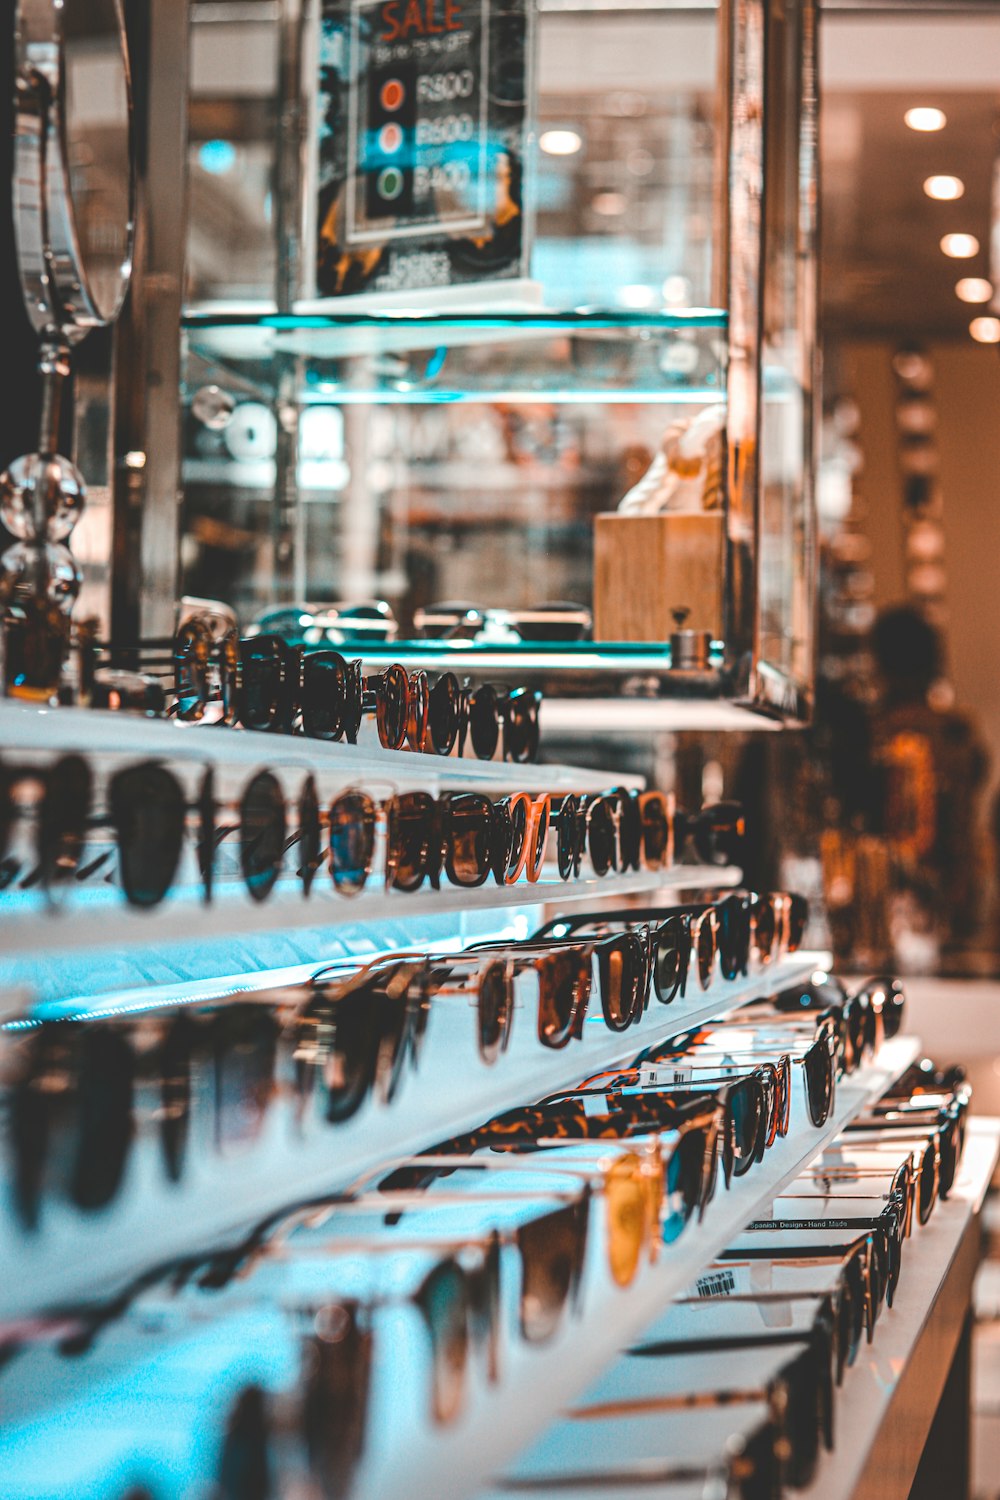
x,y
932,764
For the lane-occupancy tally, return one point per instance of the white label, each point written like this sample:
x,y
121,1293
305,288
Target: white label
x,y
664,1075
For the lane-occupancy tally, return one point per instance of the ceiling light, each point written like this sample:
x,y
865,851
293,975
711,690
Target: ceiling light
x,y
946,189
608,204
974,289
560,142
985,330
960,246
925,118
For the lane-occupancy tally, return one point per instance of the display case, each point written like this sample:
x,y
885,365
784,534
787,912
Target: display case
x,y
652,333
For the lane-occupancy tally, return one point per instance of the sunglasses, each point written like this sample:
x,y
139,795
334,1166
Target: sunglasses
x,y
714,835
265,684
818,1060
864,1019
56,799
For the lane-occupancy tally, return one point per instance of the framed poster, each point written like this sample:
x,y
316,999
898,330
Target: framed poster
x,y
421,126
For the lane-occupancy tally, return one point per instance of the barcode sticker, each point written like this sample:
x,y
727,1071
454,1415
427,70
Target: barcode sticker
x,y
664,1075
720,1284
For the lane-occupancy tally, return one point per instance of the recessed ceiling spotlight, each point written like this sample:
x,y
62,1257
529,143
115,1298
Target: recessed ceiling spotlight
x,y
974,289
985,330
560,142
922,117
960,246
945,188
608,204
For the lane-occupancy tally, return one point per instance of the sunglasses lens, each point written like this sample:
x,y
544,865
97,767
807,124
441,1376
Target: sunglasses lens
x,y
668,958
520,733
819,1082
745,1109
245,1043
494,1010
926,1193
245,1469
352,841
684,1184
619,964
484,723
627,1207
342,1046
764,929
336,1398
732,936
798,916
444,713
175,1058
518,814
706,950
310,842
412,819
105,1076
206,832
261,694
148,811
468,826
564,987
552,1250
62,827
192,652
601,840
391,707
567,845
655,829
444,1301
539,837
629,830
263,829
324,693
718,833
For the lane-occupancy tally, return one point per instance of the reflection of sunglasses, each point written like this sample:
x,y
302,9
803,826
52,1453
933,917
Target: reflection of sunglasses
x,y
799,1394
630,1178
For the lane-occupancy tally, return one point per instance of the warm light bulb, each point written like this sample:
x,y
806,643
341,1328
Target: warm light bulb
x,y
974,289
960,246
560,142
985,330
946,189
922,117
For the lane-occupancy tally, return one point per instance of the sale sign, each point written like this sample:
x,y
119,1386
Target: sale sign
x,y
423,116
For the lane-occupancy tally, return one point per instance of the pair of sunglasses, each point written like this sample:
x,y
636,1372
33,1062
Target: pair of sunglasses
x,y
617,830
723,1046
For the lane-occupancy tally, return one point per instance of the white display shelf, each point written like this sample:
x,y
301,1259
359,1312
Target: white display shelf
x,y
220,1198
889,1397
98,733
97,916
630,716
540,1383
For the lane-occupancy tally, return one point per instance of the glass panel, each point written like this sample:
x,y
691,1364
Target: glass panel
x,y
786,509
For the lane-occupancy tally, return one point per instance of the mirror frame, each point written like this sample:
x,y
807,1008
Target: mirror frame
x,y
54,279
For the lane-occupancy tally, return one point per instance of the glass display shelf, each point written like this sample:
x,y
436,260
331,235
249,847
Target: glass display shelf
x,y
422,1459
420,356
221,1195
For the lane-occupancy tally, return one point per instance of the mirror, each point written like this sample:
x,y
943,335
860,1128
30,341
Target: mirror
x,y
73,180
73,199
